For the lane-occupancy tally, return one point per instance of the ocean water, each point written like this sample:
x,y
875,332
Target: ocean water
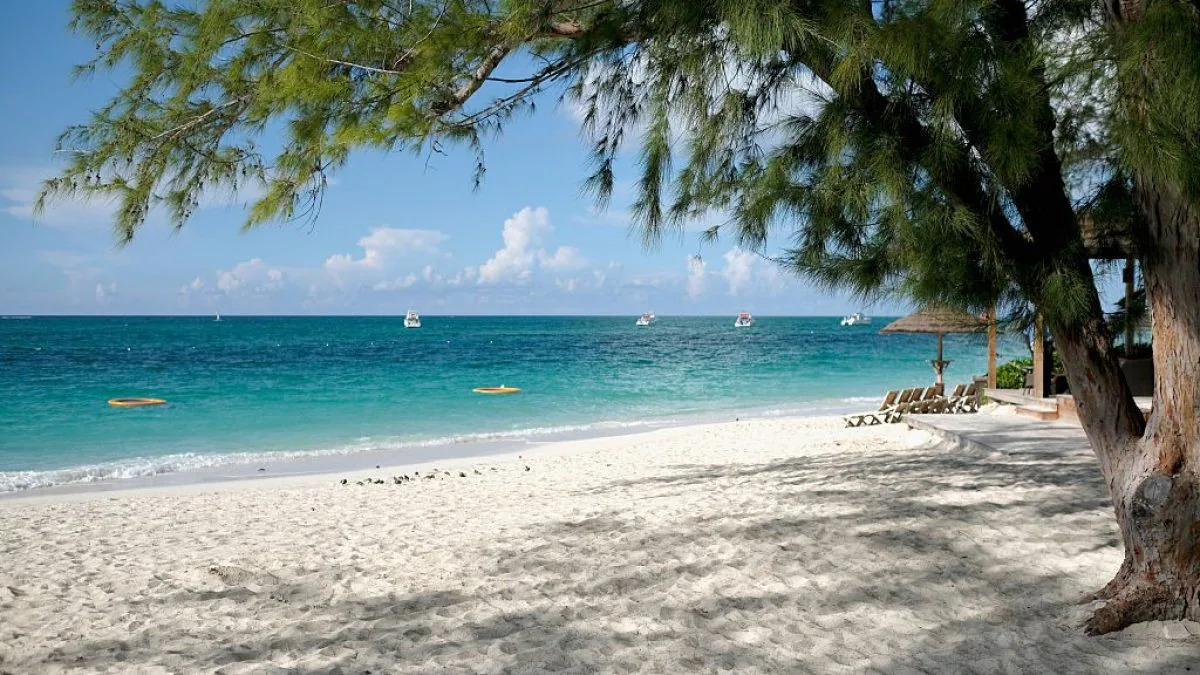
x,y
248,389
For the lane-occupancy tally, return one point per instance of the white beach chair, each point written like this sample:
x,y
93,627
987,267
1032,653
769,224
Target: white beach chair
x,y
872,418
910,400
922,403
949,404
970,400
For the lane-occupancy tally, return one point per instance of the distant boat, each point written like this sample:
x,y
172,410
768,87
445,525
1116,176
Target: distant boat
x,y
743,320
412,320
646,319
218,317
856,319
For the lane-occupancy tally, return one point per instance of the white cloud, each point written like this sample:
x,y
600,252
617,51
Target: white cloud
x,y
394,260
522,254
524,230
250,276
81,271
696,272
566,258
601,277
381,249
19,186
64,260
739,269
467,276
747,271
104,292
397,284
195,286
652,281
22,201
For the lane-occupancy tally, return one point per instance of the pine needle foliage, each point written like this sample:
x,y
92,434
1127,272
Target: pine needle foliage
x,y
935,149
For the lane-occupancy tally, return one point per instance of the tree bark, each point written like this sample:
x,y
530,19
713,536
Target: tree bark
x,y
1155,483
1107,410
1155,486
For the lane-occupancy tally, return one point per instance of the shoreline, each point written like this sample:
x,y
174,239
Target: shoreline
x,y
530,452
417,453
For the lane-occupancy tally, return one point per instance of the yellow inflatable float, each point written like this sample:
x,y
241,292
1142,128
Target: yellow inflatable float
x,y
496,390
134,401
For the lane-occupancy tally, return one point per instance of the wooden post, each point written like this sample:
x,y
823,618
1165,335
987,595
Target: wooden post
x,y
1039,358
941,365
991,381
1128,307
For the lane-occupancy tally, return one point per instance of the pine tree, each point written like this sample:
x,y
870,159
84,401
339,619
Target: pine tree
x,y
944,150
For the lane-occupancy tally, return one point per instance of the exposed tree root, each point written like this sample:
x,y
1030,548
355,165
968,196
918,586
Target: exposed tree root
x,y
1136,601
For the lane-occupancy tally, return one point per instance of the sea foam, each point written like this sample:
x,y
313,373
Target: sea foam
x,y
144,467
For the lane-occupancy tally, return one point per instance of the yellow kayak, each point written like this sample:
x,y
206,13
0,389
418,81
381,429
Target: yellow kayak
x,y
134,401
496,390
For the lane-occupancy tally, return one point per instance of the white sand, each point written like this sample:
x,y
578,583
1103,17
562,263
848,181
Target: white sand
x,y
768,546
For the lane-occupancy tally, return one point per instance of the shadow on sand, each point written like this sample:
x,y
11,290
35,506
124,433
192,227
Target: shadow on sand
x,y
925,560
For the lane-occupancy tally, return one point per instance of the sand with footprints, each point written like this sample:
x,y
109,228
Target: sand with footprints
x,y
761,546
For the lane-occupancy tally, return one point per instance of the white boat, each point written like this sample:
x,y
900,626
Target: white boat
x,y
218,318
856,319
412,320
646,319
743,320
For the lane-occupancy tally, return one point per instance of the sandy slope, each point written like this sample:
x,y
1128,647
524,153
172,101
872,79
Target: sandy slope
x,y
765,546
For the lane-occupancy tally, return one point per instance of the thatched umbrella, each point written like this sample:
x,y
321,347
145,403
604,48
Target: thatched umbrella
x,y
938,321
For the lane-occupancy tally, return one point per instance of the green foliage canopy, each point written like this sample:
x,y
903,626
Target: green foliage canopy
x,y
937,149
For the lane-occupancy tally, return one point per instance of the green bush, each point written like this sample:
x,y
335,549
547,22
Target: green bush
x,y
1012,374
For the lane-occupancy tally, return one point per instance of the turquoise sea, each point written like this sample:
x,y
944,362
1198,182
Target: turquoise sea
x,y
250,390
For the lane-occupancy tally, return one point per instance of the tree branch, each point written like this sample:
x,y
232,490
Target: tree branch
x,y
468,88
200,118
350,64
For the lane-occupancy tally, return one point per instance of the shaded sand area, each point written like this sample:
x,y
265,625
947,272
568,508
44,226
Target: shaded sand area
x,y
767,546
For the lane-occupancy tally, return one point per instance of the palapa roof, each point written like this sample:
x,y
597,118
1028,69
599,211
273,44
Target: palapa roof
x,y
936,320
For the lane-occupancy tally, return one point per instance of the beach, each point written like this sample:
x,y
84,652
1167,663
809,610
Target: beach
x,y
761,546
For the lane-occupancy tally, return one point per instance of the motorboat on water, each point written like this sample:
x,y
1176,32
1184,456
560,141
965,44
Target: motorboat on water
x,y
646,319
856,319
743,320
412,320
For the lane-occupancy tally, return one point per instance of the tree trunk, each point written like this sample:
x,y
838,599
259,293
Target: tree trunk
x,y
1107,411
1152,470
1156,485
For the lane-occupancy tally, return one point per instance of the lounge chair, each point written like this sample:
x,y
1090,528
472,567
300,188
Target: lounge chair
x,y
948,404
872,418
970,400
954,399
923,404
907,397
915,399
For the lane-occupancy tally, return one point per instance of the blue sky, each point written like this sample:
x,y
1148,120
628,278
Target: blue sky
x,y
395,231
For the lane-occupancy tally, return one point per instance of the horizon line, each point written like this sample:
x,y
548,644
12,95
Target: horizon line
x,y
398,316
